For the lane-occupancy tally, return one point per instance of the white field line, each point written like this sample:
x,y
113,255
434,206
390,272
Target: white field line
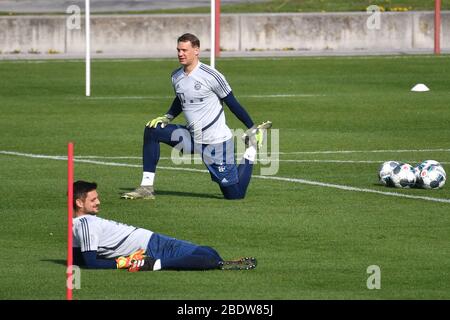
x,y
260,96
348,188
365,151
114,164
293,95
110,157
123,98
275,178
85,159
262,160
325,152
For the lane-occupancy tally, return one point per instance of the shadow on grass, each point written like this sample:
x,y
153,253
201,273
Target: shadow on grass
x,y
393,188
56,261
179,194
381,185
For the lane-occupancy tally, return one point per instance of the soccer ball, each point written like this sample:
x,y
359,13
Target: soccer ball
x,y
429,163
433,177
403,176
384,172
424,164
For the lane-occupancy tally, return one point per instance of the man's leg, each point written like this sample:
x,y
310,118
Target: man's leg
x,y
167,253
174,254
206,258
202,258
219,159
238,190
245,168
172,135
238,178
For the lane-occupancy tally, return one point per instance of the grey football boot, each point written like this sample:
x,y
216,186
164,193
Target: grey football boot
x,y
246,263
142,192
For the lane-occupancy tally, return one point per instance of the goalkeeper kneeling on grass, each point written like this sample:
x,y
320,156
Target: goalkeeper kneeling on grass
x,y
105,244
200,92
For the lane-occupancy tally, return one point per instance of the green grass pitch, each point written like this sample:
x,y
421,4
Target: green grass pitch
x,y
312,241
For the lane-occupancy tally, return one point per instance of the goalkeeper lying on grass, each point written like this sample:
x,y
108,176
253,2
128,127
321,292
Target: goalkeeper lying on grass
x,y
105,244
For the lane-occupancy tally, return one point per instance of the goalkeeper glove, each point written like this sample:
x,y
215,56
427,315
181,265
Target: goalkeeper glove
x,y
255,135
164,120
144,264
126,262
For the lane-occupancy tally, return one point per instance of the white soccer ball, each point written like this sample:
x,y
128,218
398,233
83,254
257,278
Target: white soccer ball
x,y
384,172
427,163
403,176
418,169
433,177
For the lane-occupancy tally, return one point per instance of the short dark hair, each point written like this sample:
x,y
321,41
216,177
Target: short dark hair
x,y
191,38
81,189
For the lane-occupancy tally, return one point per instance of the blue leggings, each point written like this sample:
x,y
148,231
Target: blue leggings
x,y
182,139
182,255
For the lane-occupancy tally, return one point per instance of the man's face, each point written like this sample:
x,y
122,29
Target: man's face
x,y
186,53
90,205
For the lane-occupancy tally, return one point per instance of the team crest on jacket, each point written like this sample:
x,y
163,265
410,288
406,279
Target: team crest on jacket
x,y
197,85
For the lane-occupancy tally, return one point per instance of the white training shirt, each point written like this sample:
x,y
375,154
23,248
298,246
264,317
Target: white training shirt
x,y
109,238
200,93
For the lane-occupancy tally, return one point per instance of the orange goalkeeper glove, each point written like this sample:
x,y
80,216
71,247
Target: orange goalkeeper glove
x,y
126,262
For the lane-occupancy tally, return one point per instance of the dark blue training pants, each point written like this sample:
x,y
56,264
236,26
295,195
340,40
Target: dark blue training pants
x,y
219,159
182,255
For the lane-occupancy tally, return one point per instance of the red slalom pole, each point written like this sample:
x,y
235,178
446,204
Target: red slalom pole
x,y
69,219
217,29
437,27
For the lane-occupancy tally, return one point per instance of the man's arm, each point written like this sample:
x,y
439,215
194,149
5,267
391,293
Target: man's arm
x,y
174,111
175,108
91,261
238,110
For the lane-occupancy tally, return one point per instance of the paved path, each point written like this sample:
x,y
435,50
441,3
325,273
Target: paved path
x,y
39,6
226,54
